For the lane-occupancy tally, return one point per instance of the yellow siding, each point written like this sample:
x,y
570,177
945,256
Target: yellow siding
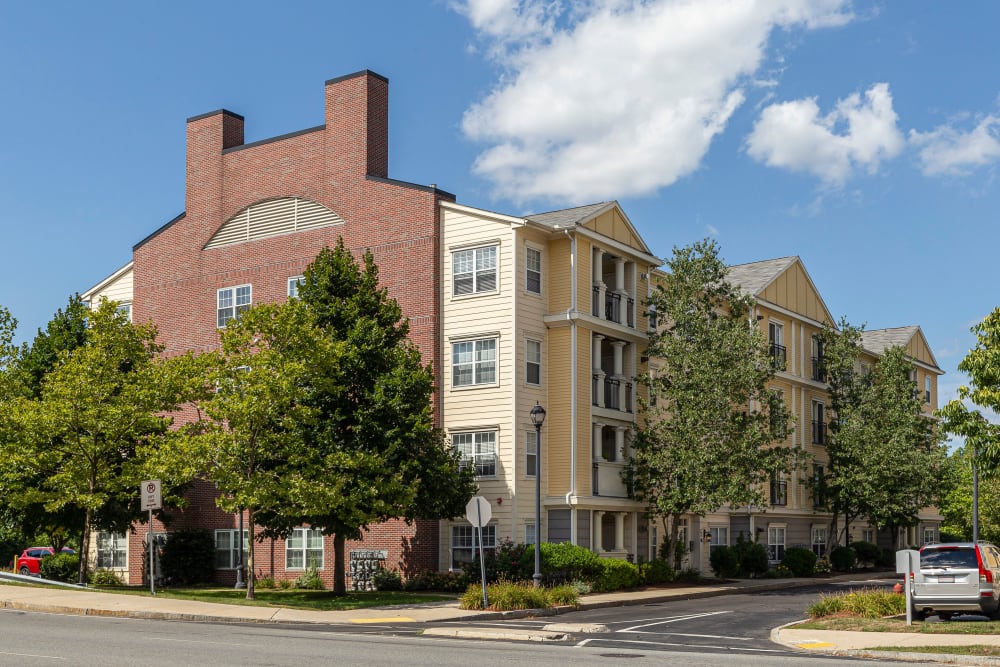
x,y
560,278
556,457
614,225
584,430
792,290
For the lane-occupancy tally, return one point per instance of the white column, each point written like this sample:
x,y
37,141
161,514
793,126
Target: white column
x,y
597,538
619,531
598,427
620,444
620,275
596,352
598,273
619,347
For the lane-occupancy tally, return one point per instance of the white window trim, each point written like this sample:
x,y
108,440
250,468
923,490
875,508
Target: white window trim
x,y
474,459
529,525
541,268
527,344
235,307
233,547
496,362
294,280
784,540
474,248
530,450
490,528
305,550
119,544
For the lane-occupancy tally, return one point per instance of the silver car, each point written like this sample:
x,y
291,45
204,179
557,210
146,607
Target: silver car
x,y
954,578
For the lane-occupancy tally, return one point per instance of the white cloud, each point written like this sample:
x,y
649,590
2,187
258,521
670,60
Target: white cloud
x,y
946,150
712,230
859,132
612,98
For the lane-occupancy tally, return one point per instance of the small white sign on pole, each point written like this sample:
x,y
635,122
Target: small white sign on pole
x,y
479,513
152,499
908,564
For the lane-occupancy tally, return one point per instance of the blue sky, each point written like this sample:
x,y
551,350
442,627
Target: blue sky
x,y
863,137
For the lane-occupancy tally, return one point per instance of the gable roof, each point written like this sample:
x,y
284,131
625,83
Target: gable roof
x,y
89,294
754,277
578,216
877,341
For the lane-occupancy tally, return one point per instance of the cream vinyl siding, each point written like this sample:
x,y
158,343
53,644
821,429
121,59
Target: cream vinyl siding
x,y
114,288
273,217
474,317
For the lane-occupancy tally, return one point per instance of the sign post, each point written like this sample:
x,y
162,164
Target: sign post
x,y
479,513
908,563
151,500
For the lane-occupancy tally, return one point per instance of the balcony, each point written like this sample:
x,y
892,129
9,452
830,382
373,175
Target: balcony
x,y
817,369
778,356
612,307
779,493
612,394
607,480
818,432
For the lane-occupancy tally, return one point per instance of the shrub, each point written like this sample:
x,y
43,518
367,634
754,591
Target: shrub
x,y
866,603
868,553
188,557
782,571
616,575
448,582
887,558
285,584
387,580
691,575
106,578
823,566
800,561
565,595
656,572
507,595
565,562
60,567
509,562
724,562
843,559
751,556
310,581
264,583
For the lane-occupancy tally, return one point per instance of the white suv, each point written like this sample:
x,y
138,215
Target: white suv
x,y
959,577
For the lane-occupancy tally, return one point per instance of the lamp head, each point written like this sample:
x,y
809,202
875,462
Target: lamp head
x,y
537,415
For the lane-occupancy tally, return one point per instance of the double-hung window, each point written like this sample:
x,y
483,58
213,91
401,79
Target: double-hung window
x,y
818,423
779,489
775,543
112,550
531,453
479,449
529,533
231,301
293,285
533,271
465,543
533,362
819,540
868,535
474,271
927,389
719,536
304,549
474,362
227,547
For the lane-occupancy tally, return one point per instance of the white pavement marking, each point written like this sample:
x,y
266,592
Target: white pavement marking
x,y
689,634
33,655
638,641
672,619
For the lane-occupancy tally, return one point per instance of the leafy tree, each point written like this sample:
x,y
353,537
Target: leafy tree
x,y
371,452
711,437
956,504
77,440
66,331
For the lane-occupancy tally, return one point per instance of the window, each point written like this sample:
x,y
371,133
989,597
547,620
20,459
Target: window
x,y
779,489
868,535
465,543
777,419
304,549
927,389
474,362
474,271
929,536
719,537
776,338
533,362
529,533
231,302
125,308
293,285
819,540
818,423
112,550
652,317
818,374
775,543
227,548
819,486
531,453
533,271
478,449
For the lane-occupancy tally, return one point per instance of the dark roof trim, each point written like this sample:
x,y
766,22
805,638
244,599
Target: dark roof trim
x,y
407,184
157,232
226,112
273,139
364,72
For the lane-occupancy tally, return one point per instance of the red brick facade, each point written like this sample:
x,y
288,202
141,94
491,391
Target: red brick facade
x,y
342,165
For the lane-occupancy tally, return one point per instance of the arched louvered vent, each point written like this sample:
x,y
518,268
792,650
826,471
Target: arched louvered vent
x,y
273,218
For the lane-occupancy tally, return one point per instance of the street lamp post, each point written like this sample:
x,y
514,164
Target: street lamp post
x,y
537,417
240,583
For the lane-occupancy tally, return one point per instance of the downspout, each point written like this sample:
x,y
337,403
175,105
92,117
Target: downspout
x,y
570,312
514,430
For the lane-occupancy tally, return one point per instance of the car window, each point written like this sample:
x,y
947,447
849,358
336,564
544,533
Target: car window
x,y
956,557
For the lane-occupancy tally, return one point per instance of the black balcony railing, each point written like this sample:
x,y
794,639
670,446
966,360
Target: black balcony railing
x,y
612,307
630,312
628,397
611,395
594,388
778,356
779,492
817,369
594,480
595,301
818,432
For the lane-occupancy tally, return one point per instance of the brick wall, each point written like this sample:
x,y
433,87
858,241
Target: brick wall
x,y
342,165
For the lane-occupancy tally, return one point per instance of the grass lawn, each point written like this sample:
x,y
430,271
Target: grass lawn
x,y
294,599
898,624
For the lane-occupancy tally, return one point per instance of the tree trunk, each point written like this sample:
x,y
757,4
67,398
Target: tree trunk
x,y
248,576
675,552
84,550
339,579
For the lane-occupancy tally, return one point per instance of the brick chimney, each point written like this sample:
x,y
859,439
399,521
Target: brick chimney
x,y
207,136
357,123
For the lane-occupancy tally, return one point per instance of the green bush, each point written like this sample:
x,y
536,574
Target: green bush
x,y
387,580
310,581
690,575
724,562
265,583
60,567
868,553
751,556
866,603
507,596
656,572
800,561
188,557
509,562
448,582
566,562
616,575
823,566
782,571
887,558
843,559
105,578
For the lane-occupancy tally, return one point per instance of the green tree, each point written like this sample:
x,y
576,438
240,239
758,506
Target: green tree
x,y
956,503
371,451
66,331
77,441
712,435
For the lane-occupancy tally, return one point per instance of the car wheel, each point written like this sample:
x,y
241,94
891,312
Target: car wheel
x,y
24,570
918,614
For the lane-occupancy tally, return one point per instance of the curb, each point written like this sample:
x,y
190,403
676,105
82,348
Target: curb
x,y
941,658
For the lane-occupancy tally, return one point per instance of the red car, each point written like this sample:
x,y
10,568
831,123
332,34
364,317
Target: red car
x,y
28,561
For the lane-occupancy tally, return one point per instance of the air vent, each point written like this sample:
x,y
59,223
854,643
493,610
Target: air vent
x,y
273,217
